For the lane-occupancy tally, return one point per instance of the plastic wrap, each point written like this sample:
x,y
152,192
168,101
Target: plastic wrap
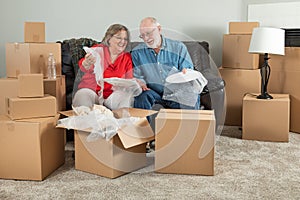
x,y
184,88
100,122
124,91
97,52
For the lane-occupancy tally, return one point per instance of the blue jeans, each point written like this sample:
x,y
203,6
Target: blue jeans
x,y
149,98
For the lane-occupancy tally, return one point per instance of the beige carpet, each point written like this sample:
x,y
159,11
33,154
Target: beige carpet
x,y
243,170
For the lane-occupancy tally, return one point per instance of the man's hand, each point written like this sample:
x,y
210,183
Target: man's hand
x,y
184,70
88,61
142,84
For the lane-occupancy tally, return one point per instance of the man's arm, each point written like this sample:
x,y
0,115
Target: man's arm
x,y
185,61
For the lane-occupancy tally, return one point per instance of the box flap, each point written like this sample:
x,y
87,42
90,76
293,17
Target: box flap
x,y
67,113
134,112
135,134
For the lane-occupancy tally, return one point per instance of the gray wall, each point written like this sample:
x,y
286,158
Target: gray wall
x,y
186,20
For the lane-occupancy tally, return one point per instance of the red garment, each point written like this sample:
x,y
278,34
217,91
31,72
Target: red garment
x,y
121,68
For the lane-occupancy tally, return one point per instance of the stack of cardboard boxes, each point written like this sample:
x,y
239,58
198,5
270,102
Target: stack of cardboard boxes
x,y
31,147
284,79
240,69
241,74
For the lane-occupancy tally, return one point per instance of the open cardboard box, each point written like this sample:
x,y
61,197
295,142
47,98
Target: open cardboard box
x,y
124,153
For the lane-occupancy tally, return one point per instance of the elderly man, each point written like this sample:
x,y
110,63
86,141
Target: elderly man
x,y
153,61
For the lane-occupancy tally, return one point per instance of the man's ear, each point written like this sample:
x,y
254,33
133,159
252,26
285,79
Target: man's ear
x,y
159,28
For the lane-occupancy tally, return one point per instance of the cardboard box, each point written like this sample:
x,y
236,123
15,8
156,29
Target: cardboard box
x,y
107,158
24,108
124,153
266,119
31,58
284,79
242,27
235,52
8,88
30,149
30,85
238,83
57,88
34,32
184,141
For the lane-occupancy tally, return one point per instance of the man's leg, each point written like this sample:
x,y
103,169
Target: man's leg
x,y
146,100
175,105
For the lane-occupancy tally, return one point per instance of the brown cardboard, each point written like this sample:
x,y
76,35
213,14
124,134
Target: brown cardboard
x,y
24,108
30,85
266,119
34,32
235,52
31,58
289,62
8,88
107,158
57,88
30,149
238,83
184,141
125,152
242,27
284,79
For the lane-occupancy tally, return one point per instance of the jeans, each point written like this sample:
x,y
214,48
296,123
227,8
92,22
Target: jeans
x,y
151,100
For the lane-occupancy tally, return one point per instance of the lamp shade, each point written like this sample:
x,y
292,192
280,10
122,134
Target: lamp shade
x,y
267,40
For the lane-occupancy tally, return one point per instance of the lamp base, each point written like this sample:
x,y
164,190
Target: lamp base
x,y
264,96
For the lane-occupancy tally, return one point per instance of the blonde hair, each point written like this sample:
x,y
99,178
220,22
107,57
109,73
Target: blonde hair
x,y
112,30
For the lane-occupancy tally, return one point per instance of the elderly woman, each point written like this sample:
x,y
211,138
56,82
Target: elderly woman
x,y
106,60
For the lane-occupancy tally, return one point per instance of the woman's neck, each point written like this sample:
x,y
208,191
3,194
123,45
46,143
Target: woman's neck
x,y
113,55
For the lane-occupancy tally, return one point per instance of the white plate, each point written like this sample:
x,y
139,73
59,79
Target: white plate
x,y
182,78
121,82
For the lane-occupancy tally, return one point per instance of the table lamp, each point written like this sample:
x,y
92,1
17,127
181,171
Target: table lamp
x,y
266,40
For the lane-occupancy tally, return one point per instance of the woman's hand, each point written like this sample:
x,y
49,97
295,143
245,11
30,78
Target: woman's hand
x,y
142,84
88,61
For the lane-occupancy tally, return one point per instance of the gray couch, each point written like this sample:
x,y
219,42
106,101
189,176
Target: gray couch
x,y
212,96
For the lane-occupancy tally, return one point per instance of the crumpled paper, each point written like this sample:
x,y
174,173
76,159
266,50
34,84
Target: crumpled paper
x,y
100,121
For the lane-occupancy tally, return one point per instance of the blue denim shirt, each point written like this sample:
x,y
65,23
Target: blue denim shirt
x,y
152,68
